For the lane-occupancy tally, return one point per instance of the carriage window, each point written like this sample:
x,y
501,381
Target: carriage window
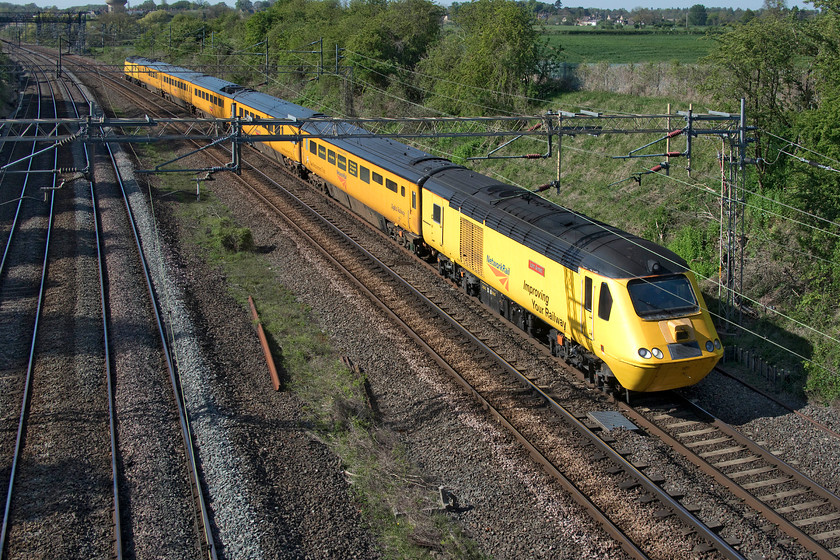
x,y
322,151
605,302
377,178
402,191
331,157
352,168
390,185
342,163
364,174
313,147
436,213
414,200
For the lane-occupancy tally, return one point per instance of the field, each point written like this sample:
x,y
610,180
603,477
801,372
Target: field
x,y
628,48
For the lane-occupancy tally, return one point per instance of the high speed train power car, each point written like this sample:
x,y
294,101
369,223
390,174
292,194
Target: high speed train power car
x,y
620,307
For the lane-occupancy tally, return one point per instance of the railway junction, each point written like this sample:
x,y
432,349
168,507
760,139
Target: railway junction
x,y
206,460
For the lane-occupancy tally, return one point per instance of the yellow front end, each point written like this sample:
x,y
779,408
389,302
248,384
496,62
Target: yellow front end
x,y
661,354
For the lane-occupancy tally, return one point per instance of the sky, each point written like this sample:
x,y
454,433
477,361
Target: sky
x,y
603,4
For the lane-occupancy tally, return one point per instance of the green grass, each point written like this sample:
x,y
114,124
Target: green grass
x,y
629,48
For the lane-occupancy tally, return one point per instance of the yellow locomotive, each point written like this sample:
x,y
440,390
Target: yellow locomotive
x,y
620,307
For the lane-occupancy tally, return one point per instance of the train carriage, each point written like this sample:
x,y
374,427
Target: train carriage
x,y
256,105
373,175
207,96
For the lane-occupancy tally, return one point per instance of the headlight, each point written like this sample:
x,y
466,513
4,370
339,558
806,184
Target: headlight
x,y
644,353
710,346
717,343
657,353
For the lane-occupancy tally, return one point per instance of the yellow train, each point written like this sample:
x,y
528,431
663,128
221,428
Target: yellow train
x,y
620,307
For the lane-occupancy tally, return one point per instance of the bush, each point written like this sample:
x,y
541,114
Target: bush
x,y
698,247
233,239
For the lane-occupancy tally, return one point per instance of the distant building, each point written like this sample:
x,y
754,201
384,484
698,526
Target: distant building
x,y
116,5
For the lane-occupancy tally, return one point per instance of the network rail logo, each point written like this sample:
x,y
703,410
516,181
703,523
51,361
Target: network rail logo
x,y
501,271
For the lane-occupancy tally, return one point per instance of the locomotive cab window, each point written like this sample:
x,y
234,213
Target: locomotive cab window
x,y
414,200
313,147
605,302
437,213
663,297
402,191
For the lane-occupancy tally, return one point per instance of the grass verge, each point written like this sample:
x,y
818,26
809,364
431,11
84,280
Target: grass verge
x,y
400,504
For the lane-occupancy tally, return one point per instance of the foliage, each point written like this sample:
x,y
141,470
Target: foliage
x,y
757,61
697,15
494,54
698,247
787,69
392,40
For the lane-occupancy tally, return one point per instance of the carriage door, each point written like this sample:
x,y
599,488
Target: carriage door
x,y
433,224
586,320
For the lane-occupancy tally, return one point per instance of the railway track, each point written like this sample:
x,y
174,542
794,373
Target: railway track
x,y
27,246
72,409
538,393
783,495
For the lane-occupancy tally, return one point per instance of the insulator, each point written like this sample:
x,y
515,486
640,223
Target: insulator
x,y
533,156
674,133
69,139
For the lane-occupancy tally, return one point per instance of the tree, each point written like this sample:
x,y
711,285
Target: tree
x,y
392,39
495,54
697,15
758,61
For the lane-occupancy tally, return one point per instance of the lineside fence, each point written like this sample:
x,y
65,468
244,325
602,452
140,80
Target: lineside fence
x,y
776,377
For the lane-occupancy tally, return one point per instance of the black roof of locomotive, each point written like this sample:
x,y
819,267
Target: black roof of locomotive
x,y
560,234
